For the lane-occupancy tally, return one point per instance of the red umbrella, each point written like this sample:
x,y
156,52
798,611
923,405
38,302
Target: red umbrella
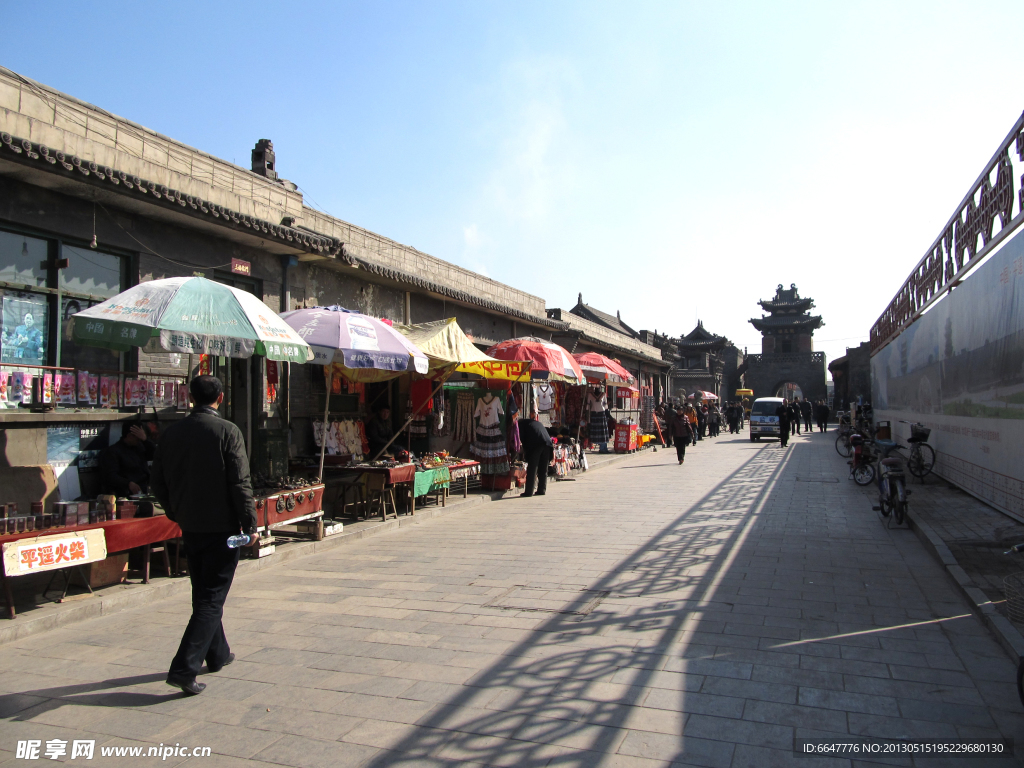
x,y
549,360
603,368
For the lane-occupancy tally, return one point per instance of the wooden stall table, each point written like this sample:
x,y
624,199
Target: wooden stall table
x,y
463,471
403,474
120,536
435,480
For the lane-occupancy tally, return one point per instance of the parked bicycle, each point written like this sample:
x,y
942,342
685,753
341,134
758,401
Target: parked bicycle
x,y
862,468
922,456
1013,587
892,489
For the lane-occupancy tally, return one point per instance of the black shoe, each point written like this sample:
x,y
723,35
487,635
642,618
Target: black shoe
x,y
211,668
541,493
526,495
188,687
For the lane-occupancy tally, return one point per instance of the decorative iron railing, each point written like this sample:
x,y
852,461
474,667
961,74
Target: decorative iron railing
x,y
786,358
955,251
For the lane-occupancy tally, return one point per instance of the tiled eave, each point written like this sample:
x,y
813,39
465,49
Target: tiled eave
x,y
350,257
39,157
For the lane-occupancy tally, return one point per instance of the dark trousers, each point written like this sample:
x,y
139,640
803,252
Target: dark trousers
x,y
784,434
821,426
211,567
794,427
680,450
537,462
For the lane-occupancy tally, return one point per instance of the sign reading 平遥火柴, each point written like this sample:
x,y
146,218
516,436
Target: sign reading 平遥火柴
x,y
47,553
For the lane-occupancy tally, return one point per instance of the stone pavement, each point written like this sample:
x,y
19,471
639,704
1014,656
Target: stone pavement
x,y
645,615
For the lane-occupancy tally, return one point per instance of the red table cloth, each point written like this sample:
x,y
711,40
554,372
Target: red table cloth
x,y
121,535
403,473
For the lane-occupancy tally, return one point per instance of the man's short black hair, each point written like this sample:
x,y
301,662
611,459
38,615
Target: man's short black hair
x,y
205,390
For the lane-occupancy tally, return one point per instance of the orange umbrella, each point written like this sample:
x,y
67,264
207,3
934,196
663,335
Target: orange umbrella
x,y
602,368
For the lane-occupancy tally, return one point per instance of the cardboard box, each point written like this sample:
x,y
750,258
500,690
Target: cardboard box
x,y
113,570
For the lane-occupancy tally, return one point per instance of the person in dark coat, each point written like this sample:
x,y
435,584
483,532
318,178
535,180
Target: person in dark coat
x,y
783,412
806,410
681,433
539,450
124,466
201,477
379,432
794,418
821,414
702,422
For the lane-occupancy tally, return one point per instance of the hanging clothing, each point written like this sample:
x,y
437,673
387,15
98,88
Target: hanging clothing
x,y
463,429
545,397
489,446
598,431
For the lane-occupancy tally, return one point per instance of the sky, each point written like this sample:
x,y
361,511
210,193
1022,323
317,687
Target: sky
x,y
673,161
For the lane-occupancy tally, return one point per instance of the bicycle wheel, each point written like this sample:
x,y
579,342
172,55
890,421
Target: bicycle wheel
x,y
864,474
1020,680
899,511
843,446
922,460
884,509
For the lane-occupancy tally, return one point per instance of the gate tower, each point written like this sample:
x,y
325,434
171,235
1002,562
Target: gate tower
x,y
787,347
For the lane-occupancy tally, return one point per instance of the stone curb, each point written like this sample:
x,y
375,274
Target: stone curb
x,y
1007,635
142,594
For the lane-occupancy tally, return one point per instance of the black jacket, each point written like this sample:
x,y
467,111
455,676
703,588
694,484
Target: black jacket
x,y
805,409
121,464
534,435
783,413
201,475
680,426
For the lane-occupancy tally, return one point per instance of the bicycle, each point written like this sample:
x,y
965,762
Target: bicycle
x,y
862,470
921,461
892,490
1012,588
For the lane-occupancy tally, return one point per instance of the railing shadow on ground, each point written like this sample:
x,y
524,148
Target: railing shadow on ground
x,y
542,705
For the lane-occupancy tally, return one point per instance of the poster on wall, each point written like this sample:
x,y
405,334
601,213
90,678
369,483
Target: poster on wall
x,y
959,369
23,334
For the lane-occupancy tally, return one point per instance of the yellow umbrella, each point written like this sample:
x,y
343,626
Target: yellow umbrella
x,y
449,349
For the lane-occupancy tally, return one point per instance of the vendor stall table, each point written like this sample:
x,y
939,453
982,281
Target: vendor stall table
x,y
435,480
121,536
463,471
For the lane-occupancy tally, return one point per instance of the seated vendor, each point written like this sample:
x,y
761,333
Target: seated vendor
x,y
124,466
379,432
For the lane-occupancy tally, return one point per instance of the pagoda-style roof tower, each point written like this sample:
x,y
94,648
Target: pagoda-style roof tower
x,y
701,340
789,325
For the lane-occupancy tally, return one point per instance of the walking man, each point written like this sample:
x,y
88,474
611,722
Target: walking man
x,y
681,432
783,412
201,477
538,449
806,411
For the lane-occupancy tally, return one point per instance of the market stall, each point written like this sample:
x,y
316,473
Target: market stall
x,y
76,534
623,396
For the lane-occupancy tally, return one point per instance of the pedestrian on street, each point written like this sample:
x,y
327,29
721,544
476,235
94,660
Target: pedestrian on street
x,y
201,477
702,422
794,418
806,410
539,450
681,431
691,416
821,413
783,412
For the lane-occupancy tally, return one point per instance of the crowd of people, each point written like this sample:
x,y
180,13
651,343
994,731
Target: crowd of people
x,y
792,412
685,424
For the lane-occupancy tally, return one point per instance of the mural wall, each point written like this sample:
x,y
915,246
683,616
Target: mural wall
x,y
959,369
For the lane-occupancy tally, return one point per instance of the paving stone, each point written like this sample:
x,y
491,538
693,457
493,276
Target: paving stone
x,y
732,610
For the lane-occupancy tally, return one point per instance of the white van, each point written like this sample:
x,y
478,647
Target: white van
x,y
763,421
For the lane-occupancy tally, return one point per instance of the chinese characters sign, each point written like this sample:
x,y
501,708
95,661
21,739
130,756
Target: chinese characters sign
x,y
47,553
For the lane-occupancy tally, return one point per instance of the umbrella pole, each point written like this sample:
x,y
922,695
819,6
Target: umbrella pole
x,y
407,423
327,405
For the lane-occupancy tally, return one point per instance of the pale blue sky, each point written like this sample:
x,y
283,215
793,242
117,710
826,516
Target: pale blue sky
x,y
669,160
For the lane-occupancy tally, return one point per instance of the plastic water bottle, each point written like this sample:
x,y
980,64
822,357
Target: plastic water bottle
x,y
238,541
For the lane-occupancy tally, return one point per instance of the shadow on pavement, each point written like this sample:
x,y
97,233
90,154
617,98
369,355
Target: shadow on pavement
x,y
549,705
